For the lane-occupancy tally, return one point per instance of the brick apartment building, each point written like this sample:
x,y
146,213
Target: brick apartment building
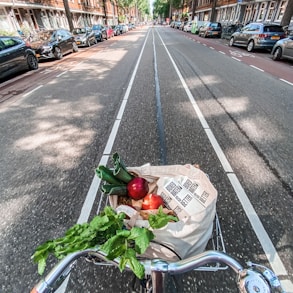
x,y
232,11
33,15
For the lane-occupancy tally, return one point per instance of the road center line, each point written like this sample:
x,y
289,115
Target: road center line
x,y
266,243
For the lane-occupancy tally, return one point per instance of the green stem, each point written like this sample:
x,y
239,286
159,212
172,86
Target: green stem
x,y
106,174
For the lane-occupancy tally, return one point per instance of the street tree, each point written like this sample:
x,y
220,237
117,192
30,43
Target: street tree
x,y
288,14
68,14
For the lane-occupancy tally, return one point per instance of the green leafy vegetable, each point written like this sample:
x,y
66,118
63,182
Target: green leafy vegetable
x,y
80,237
112,189
160,219
125,245
107,175
120,170
106,230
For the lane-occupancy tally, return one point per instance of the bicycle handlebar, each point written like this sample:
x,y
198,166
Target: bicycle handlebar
x,y
256,276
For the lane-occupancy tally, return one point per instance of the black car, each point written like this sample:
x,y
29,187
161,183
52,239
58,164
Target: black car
x,y
15,56
100,32
53,44
210,29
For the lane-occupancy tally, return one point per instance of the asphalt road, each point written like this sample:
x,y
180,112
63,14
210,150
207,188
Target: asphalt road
x,y
159,96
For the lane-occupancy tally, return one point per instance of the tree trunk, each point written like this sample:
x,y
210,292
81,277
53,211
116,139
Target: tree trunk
x,y
193,9
68,14
213,14
288,14
105,12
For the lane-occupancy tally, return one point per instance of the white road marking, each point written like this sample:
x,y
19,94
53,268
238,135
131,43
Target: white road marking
x,y
92,193
222,52
62,73
286,81
266,243
30,92
256,68
236,59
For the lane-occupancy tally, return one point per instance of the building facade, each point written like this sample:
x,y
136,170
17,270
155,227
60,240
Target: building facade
x,y
32,15
238,11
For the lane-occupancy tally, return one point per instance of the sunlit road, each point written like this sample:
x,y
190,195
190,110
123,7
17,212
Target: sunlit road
x,y
218,109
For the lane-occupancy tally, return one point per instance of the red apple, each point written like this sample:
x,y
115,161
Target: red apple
x,y
152,202
137,188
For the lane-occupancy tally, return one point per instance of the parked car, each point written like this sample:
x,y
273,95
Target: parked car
x,y
100,32
177,24
182,24
172,23
257,36
84,36
210,29
53,44
15,56
109,31
123,28
116,30
228,30
283,49
187,26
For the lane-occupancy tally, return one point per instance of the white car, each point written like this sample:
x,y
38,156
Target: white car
x,y
187,27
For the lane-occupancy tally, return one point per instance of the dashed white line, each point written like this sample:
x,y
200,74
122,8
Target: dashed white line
x,y
267,245
61,73
212,48
256,68
286,81
222,52
236,59
25,95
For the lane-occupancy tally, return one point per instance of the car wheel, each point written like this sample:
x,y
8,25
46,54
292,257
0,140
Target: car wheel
x,y
231,42
250,46
32,62
277,54
74,47
57,53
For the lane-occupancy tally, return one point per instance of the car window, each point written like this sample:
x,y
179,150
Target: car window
x,y
246,28
254,28
2,46
273,28
9,42
214,25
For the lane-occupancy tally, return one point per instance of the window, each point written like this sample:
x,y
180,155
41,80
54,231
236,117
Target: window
x,y
8,42
271,11
281,10
4,24
262,11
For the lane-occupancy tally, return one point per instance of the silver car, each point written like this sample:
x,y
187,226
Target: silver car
x,y
257,36
283,49
84,36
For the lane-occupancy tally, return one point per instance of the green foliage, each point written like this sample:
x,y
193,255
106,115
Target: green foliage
x,y
161,219
107,230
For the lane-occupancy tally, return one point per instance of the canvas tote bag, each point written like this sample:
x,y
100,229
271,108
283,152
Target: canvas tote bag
x,y
187,191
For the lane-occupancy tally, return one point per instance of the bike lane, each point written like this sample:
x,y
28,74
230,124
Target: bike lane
x,y
279,69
